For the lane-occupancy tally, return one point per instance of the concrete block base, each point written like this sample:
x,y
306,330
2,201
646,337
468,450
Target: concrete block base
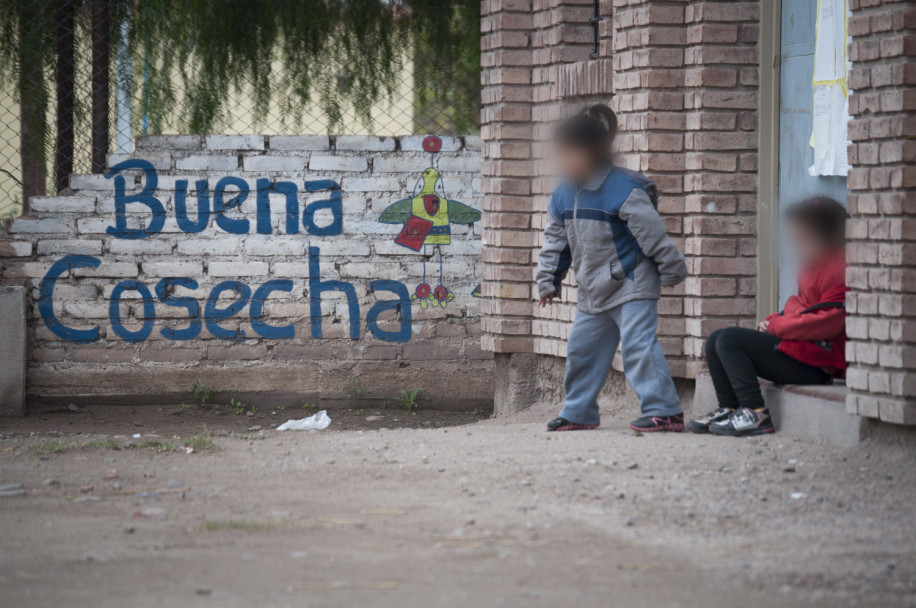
x,y
12,350
814,411
516,382
267,385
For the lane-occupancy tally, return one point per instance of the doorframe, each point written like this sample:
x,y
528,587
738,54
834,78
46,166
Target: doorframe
x,y
768,159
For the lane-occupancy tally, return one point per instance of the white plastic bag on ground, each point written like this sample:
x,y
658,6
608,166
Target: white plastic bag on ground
x,y
315,422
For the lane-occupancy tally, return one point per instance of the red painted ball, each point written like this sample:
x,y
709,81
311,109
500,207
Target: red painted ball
x,y
432,143
423,290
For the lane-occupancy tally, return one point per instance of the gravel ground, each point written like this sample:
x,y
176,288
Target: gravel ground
x,y
492,513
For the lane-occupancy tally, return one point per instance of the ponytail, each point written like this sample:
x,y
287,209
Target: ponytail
x,y
594,129
601,112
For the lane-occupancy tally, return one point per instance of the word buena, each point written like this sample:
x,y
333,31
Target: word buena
x,y
229,193
211,314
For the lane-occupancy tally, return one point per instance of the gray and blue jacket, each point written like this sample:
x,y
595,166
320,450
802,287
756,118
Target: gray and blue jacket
x,y
609,231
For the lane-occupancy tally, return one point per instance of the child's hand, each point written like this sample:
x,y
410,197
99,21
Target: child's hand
x,y
763,326
548,299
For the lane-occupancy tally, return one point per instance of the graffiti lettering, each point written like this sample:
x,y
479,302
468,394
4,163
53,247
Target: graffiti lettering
x,y
216,314
46,298
228,195
426,218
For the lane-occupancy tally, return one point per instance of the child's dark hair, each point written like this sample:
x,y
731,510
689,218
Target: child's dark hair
x,y
593,129
823,216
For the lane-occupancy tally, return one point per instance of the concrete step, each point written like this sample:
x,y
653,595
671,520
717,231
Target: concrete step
x,y
813,411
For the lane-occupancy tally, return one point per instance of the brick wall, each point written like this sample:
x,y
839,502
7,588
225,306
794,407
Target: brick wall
x,y
720,184
83,344
506,59
533,59
536,71
685,78
565,80
682,77
882,304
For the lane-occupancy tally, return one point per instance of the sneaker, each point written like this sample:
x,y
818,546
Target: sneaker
x,y
659,424
562,424
744,422
701,425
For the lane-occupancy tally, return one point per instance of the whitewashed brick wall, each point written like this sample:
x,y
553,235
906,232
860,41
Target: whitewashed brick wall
x,y
442,356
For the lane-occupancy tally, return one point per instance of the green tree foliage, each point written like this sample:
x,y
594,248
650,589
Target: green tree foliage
x,y
338,54
447,76
26,47
189,58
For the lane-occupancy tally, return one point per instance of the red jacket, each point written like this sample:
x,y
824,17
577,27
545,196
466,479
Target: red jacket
x,y
812,326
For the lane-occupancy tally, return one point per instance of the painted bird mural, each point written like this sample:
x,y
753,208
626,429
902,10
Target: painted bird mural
x,y
427,217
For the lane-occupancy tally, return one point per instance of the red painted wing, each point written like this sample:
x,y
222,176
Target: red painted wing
x,y
414,233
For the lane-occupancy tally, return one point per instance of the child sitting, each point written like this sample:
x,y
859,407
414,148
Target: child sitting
x,y
803,344
602,221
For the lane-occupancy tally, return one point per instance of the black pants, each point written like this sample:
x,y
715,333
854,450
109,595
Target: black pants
x,y
737,356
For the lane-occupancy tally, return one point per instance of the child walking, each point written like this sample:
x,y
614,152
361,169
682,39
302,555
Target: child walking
x,y
803,344
602,221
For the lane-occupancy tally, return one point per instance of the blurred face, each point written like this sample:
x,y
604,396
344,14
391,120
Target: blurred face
x,y
575,163
808,246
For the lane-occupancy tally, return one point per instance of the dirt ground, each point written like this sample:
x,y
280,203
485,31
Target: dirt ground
x,y
442,509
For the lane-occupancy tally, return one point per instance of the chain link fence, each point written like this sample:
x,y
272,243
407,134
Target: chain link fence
x,y
79,79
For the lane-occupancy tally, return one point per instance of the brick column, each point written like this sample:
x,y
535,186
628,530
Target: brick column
x,y
682,77
685,91
881,253
649,73
525,45
720,169
565,79
507,172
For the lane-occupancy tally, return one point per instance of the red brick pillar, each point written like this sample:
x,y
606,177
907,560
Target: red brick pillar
x,y
720,169
882,250
682,77
649,71
535,66
565,79
507,204
507,173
